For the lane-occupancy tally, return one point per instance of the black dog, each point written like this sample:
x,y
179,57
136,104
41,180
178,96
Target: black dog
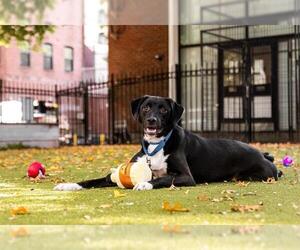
x,y
181,158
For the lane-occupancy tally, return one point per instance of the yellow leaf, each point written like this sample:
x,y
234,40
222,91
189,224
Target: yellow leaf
x,y
202,197
173,188
176,207
243,184
217,199
19,211
118,194
246,208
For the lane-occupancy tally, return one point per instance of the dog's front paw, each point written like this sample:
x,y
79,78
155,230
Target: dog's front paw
x,y
143,186
67,187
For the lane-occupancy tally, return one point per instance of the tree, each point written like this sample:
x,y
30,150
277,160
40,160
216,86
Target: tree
x,y
22,12
20,33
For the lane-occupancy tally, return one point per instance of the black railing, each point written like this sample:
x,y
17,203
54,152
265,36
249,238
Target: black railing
x,y
217,104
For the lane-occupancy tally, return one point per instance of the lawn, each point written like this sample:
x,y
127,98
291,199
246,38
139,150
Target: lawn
x,y
207,204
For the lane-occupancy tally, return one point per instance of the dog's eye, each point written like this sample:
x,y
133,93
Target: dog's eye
x,y
163,110
146,109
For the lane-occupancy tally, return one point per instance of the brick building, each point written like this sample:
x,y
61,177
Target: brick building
x,y
59,59
137,48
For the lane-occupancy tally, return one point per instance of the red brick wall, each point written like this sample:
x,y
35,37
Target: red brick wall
x,y
133,48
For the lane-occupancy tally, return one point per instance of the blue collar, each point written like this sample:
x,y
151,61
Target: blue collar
x,y
159,146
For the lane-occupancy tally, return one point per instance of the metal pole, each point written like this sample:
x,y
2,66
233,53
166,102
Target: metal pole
x,y
247,82
57,106
86,113
111,110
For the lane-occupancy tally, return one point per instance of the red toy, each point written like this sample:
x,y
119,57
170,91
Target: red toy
x,y
36,169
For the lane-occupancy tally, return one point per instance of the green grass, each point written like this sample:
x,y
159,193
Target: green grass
x,y
281,203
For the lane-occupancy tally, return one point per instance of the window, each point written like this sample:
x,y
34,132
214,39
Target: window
x,y
48,56
25,56
69,59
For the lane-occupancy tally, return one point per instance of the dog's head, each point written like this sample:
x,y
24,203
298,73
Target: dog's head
x,y
158,115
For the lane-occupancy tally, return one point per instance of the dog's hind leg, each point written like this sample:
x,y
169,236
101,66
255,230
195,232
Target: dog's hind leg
x,y
260,172
269,157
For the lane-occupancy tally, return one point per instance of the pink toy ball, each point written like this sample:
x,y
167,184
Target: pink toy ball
x,y
36,169
287,161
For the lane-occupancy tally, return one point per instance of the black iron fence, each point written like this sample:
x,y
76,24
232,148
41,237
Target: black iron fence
x,y
27,102
217,103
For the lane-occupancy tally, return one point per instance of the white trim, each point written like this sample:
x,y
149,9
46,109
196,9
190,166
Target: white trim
x,y
173,42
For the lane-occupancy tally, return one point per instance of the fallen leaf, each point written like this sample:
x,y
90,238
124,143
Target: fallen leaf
x,y
19,211
202,197
20,232
176,207
173,188
246,208
55,169
228,197
105,206
295,206
129,203
242,184
249,194
118,194
270,180
228,191
87,217
217,199
187,191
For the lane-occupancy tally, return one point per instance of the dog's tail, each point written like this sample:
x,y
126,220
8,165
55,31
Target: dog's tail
x,y
271,158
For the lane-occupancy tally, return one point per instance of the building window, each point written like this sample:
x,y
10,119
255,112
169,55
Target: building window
x,y
25,56
69,59
48,56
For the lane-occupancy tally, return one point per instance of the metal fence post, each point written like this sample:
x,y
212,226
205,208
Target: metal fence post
x,y
111,96
178,86
56,102
86,112
248,91
178,83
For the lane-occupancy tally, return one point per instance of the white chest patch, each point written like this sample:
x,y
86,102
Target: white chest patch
x,y
158,161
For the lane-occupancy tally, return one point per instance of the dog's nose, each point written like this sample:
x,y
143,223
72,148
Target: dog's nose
x,y
151,120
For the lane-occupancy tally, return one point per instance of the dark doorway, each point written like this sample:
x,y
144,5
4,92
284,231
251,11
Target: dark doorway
x,y
263,87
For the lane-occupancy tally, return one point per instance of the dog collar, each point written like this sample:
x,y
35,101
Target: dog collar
x,y
159,146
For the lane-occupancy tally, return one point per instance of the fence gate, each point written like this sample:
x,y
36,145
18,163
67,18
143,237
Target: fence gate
x,y
248,86
84,114
71,115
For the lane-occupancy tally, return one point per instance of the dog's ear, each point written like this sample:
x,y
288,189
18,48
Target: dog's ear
x,y
135,106
177,110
